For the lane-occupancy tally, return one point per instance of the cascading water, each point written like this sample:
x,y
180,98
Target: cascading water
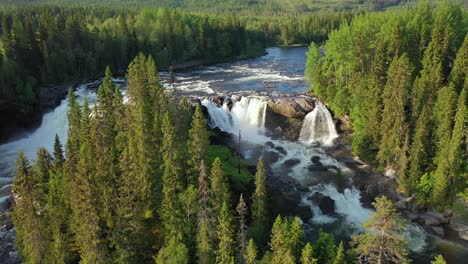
x,y
318,126
246,116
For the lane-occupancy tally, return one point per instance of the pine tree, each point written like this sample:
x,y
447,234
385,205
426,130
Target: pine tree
x,y
242,230
383,242
306,255
250,256
439,259
395,99
204,219
224,230
27,216
340,255
259,204
197,144
220,191
175,252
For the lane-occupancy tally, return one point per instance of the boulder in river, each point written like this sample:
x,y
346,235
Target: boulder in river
x,y
297,106
270,156
325,203
292,162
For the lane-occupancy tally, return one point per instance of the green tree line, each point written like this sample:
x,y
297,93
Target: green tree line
x,y
401,76
51,45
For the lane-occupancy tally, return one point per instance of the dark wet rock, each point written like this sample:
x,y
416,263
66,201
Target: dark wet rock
x,y
458,225
292,162
431,221
315,160
463,235
304,212
51,96
291,106
281,150
438,231
270,156
218,100
270,144
316,167
325,203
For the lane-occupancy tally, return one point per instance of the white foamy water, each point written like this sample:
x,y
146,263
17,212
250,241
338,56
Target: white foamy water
x,y
247,116
318,126
54,122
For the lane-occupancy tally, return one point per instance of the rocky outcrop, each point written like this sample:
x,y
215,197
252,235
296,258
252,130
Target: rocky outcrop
x,y
291,107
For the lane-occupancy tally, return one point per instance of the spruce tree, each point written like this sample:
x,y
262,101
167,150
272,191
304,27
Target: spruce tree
x,y
171,214
58,152
439,259
250,256
394,124
85,219
340,255
306,255
204,220
280,242
443,115
220,191
175,252
325,248
41,171
383,241
31,237
242,230
224,231
418,154
460,67
197,144
259,203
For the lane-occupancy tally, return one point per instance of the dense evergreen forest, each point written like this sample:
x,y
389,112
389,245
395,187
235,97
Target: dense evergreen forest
x,y
50,45
235,5
401,76
140,183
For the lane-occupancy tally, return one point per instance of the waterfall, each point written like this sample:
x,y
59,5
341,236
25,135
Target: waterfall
x,y
54,122
246,115
318,126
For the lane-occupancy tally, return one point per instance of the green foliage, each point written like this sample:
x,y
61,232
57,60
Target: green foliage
x,y
383,241
224,231
439,259
324,248
398,74
340,255
175,252
229,165
198,143
250,256
306,255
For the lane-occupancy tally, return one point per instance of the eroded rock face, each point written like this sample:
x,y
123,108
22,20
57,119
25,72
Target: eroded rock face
x,y
291,107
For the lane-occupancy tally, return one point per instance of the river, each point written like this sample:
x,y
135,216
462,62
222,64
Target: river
x,y
314,173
